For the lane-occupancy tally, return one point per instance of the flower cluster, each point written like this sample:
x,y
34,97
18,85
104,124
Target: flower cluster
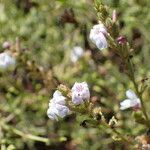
x,y
80,91
58,106
98,36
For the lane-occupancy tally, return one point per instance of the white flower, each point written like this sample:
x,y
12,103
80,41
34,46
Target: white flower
x,y
97,36
57,106
80,93
77,52
6,60
132,101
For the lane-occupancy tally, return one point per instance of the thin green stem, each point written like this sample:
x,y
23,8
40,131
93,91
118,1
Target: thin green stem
x,y
24,135
30,136
122,137
132,77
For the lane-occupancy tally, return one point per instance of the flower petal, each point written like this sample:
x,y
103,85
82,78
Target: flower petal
x,y
97,36
125,104
130,94
58,98
101,28
52,114
135,102
101,42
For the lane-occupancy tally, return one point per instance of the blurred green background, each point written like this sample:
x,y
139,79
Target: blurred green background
x,y
45,32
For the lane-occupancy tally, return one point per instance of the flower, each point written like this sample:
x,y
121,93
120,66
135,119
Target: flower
x,y
57,107
6,45
76,53
80,93
97,36
133,101
6,60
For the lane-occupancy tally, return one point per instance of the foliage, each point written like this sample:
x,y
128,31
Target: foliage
x,y
42,35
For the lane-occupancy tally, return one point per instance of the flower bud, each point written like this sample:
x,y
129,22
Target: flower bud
x,y
112,122
97,113
64,89
102,11
114,16
139,117
121,40
6,45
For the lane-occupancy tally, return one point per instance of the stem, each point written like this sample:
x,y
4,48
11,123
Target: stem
x,y
30,136
122,137
132,77
3,147
24,135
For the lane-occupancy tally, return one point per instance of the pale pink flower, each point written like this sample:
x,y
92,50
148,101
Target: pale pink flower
x,y
98,36
80,93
